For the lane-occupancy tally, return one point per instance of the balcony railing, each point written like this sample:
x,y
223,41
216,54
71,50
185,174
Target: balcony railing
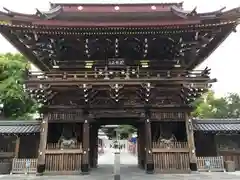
x,y
55,148
170,147
122,74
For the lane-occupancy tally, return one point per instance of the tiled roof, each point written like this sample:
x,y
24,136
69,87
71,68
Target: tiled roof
x,y
216,125
19,127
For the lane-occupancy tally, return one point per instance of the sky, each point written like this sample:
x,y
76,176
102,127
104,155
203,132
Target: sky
x,y
224,61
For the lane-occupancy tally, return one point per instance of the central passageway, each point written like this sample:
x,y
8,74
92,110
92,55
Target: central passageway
x,y
106,163
108,158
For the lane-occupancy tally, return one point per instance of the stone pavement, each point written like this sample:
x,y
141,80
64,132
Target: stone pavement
x,y
108,158
128,176
129,171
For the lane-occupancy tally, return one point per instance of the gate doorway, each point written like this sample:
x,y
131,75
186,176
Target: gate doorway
x,y
117,138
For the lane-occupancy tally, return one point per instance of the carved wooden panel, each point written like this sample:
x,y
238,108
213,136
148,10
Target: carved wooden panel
x,y
65,116
171,116
115,113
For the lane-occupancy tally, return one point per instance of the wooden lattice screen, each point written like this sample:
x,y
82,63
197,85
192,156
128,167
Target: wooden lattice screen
x,y
172,157
24,166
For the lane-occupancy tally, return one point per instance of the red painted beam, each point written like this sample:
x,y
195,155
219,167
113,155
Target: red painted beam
x,y
114,23
116,8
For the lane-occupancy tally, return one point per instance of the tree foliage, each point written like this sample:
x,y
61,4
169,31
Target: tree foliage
x,y
208,106
17,104
126,130
123,131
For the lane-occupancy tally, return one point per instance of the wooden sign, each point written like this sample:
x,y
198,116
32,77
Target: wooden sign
x,y
116,62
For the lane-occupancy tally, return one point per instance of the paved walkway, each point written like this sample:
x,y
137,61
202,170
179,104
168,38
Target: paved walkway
x,y
108,158
128,176
129,171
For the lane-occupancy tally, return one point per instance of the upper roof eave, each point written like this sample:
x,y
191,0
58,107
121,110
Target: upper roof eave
x,y
232,14
14,13
235,12
31,17
53,12
11,16
52,5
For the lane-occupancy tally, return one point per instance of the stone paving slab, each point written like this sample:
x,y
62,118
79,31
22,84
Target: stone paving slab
x,y
129,171
133,176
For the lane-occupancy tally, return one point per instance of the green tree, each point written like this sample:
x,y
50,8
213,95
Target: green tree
x,y
123,130
126,130
208,106
233,107
17,104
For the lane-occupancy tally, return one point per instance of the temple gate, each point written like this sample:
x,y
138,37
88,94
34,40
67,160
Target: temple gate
x,y
117,64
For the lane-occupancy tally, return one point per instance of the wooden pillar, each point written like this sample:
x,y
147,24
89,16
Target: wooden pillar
x,y
138,146
143,139
42,146
86,148
191,143
149,167
93,145
17,147
95,159
141,146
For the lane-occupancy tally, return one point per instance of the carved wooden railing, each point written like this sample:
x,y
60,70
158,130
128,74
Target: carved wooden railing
x,y
51,146
55,148
170,147
119,74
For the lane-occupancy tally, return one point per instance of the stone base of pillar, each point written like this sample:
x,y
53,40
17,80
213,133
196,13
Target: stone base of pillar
x,y
142,165
95,165
85,169
40,169
149,168
193,166
117,177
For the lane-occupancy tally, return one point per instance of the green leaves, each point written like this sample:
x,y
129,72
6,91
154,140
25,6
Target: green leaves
x,y
209,106
128,129
17,104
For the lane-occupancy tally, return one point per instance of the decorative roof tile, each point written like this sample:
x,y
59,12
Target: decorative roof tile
x,y
216,125
19,127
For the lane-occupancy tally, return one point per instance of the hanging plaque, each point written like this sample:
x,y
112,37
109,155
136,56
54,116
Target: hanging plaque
x,y
116,62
